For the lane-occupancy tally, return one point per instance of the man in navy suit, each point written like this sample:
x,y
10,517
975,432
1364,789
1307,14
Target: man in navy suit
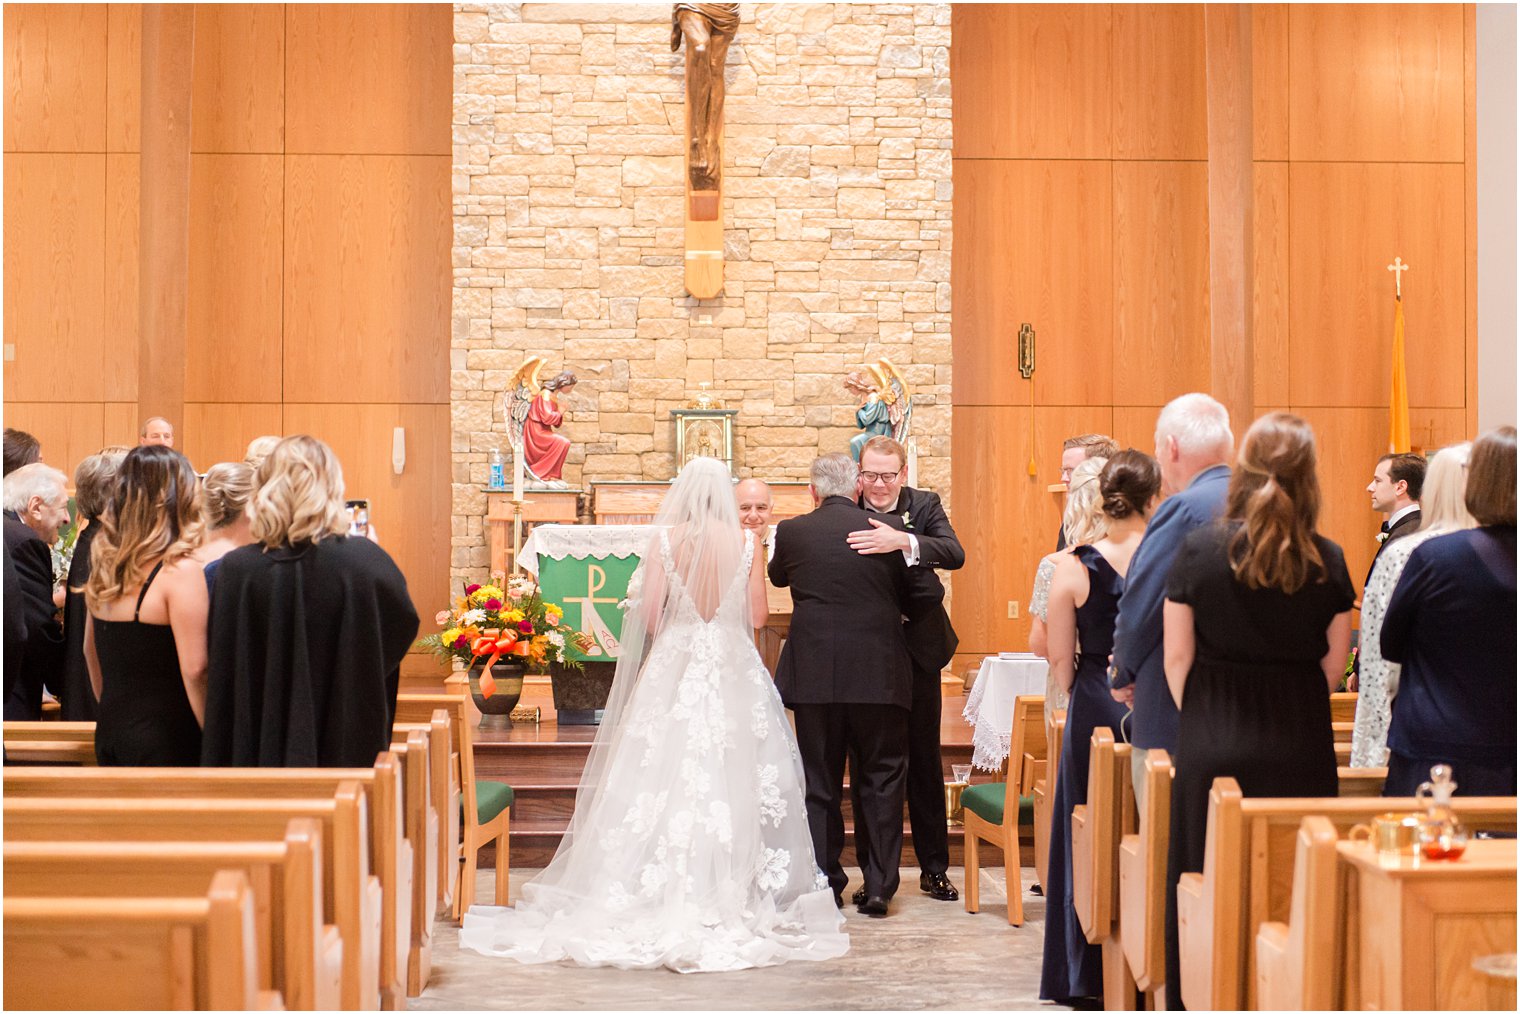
x,y
926,542
1193,446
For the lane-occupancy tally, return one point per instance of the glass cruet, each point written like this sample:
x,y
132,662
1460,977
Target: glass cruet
x,y
1442,835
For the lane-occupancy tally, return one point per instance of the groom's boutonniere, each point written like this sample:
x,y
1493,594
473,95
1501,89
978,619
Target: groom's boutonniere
x,y
908,519
1382,537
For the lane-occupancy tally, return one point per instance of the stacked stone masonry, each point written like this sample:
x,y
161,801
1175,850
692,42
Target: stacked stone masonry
x,y
568,233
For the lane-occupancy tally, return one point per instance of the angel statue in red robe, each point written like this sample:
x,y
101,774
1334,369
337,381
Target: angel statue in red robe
x,y
534,412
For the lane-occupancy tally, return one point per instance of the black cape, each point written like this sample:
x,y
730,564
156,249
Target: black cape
x,y
305,655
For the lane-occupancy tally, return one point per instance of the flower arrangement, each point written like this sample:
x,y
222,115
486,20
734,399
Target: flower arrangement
x,y
492,621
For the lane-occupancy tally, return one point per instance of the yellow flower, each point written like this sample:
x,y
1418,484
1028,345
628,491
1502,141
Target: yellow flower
x,y
450,636
553,613
513,615
486,593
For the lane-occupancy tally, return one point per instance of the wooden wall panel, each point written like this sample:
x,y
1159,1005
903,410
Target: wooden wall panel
x,y
367,278
411,510
1161,281
1005,519
1135,426
124,78
239,103
1032,80
369,78
68,431
1376,82
1160,100
221,431
236,247
55,77
121,424
122,297
1269,80
1269,372
54,284
1034,244
1349,220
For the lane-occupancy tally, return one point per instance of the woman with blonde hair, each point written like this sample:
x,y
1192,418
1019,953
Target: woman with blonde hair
x,y
145,635
226,490
1442,510
1082,523
1257,628
94,483
308,627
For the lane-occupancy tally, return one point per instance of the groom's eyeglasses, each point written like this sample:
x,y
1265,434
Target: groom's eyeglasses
x,y
878,476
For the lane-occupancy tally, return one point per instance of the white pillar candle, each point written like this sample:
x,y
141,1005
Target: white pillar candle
x,y
517,476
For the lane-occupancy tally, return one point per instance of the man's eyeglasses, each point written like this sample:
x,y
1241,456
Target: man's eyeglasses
x,y
878,476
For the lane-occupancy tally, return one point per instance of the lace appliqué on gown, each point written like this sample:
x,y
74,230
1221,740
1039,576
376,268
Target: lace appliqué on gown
x,y
698,856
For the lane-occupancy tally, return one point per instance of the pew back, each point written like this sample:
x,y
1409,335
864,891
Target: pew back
x,y
1096,827
49,742
1296,963
1044,792
134,953
1142,878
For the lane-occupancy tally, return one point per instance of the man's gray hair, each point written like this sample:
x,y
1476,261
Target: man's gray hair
x,y
834,475
32,480
1199,424
150,421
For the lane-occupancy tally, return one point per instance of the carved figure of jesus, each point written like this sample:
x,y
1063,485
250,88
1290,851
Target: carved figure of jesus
x,y
707,29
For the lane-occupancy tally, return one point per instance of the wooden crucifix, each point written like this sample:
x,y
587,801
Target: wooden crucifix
x,y
707,29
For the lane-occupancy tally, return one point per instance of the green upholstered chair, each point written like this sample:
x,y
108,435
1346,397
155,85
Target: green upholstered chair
x,y
994,811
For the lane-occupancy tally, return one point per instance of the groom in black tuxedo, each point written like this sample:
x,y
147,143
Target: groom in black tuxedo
x,y
846,675
926,542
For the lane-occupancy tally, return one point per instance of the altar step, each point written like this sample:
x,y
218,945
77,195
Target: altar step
x,y
543,765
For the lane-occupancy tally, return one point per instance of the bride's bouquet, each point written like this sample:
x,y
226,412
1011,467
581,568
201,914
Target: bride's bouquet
x,y
490,621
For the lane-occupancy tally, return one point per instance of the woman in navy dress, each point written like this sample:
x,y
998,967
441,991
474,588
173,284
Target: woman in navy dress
x,y
1084,602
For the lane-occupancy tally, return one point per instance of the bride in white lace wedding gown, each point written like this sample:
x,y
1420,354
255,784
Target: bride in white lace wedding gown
x,y
689,846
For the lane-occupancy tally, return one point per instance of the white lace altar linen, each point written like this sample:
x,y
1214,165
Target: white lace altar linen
x,y
989,706
689,848
580,541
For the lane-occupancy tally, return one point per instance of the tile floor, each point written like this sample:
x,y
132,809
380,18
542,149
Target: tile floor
x,y
928,955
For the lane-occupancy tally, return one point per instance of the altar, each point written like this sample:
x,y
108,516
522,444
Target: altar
x,y
585,569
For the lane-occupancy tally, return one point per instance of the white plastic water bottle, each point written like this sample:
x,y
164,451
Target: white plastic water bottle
x,y
498,469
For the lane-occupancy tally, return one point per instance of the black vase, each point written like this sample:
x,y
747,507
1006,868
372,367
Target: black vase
x,y
580,695
495,711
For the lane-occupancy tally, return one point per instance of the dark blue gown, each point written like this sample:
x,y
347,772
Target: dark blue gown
x,y
1073,967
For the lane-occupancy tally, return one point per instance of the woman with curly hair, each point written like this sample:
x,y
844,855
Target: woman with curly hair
x,y
308,627
145,636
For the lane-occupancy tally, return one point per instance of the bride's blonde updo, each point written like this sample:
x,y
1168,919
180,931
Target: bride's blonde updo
x,y
299,495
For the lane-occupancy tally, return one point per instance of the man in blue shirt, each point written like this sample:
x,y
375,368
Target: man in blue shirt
x,y
1193,445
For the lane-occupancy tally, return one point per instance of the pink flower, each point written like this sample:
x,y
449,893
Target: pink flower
x,y
493,604
442,618
471,589
526,626
461,642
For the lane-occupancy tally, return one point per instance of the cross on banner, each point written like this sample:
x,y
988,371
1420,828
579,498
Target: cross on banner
x,y
1398,267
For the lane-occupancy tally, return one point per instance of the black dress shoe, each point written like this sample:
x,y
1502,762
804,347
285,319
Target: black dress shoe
x,y
839,901
859,897
874,906
937,885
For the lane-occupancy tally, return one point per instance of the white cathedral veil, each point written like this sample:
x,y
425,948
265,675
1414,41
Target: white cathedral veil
x,y
688,846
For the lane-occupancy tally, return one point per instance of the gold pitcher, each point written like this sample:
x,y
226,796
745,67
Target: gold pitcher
x,y
1391,833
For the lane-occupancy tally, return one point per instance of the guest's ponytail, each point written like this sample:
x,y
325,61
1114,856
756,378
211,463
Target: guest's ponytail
x,y
1274,493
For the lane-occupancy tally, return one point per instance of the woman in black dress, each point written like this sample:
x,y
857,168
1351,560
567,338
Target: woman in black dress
x,y
308,627
94,482
1084,602
1258,627
145,636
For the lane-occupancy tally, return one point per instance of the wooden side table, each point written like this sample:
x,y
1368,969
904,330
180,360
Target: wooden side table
x,y
1414,928
540,506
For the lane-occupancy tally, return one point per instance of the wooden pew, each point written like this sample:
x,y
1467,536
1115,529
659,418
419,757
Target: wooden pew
x,y
1296,963
49,742
1247,879
474,834
443,792
1362,782
1044,792
390,854
1096,828
422,831
1342,708
135,953
351,896
297,955
1142,882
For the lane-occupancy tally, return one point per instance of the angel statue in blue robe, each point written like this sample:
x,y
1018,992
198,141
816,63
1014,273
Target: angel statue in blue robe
x,y
886,406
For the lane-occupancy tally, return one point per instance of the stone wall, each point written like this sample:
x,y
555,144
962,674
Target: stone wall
x,y
568,233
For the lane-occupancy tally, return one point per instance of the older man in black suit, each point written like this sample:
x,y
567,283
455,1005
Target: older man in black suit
x,y
846,674
926,542
36,507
